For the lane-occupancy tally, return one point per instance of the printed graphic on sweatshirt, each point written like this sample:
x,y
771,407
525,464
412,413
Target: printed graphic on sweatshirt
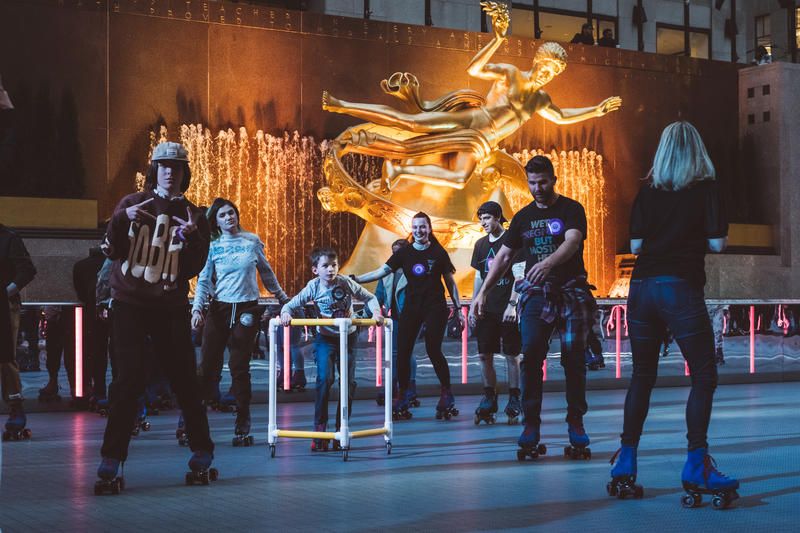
x,y
153,257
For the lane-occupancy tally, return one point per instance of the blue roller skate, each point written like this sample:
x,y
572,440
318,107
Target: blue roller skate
x,y
623,475
400,406
180,432
200,471
700,476
578,442
513,407
485,412
109,482
446,408
141,423
15,425
227,403
529,443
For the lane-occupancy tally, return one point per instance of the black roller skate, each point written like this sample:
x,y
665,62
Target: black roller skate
x,y
49,393
623,475
180,432
700,476
411,394
578,442
529,444
141,423
109,482
485,412
513,407
242,430
15,425
320,445
227,403
594,361
299,380
200,471
400,410
102,406
446,408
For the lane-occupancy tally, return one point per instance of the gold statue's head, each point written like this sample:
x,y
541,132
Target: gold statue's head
x,y
550,61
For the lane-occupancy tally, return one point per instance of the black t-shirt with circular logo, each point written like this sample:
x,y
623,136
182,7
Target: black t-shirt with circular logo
x,y
539,232
482,257
424,270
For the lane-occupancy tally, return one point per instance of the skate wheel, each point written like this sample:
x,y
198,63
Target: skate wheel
x,y
689,501
567,452
146,426
26,434
492,420
587,454
477,420
611,489
213,474
115,488
438,415
521,455
541,449
250,440
235,442
188,478
719,502
272,450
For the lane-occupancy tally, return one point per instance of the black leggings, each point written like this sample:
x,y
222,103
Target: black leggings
x,y
411,319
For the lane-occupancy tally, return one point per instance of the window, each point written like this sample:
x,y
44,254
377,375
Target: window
x,y
558,27
751,92
763,33
765,90
522,23
766,116
556,24
669,41
751,119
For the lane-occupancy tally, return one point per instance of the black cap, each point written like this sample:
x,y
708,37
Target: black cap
x,y
492,208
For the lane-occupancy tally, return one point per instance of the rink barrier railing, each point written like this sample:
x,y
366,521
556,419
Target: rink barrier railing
x,y
619,309
344,435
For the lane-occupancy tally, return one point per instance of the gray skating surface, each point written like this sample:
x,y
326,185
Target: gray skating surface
x,y
441,476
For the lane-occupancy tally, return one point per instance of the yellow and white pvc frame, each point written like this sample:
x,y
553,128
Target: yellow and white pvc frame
x,y
344,435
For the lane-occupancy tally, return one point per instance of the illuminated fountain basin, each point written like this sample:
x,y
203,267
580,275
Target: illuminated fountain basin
x,y
273,180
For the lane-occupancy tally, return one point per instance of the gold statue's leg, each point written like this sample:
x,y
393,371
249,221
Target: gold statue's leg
x,y
385,115
455,178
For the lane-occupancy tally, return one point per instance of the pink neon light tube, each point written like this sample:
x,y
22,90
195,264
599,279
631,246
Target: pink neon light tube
x,y
378,355
752,339
464,340
287,360
78,352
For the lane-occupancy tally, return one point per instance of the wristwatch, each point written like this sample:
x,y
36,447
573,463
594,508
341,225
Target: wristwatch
x,y
512,303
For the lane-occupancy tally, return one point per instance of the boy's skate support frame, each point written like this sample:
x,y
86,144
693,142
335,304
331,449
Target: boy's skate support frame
x,y
344,435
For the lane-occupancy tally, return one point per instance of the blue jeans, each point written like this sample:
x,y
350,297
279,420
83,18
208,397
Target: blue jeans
x,y
535,343
326,354
669,302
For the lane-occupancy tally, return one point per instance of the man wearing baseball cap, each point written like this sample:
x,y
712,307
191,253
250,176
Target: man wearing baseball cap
x,y
498,324
554,295
158,240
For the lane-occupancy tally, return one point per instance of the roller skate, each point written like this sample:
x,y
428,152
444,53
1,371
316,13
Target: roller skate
x,y
141,423
279,381
227,403
15,425
700,476
529,444
400,406
180,432
49,393
623,475
102,406
200,471
487,408
578,442
513,407
320,445
411,394
299,380
242,429
109,482
446,408
594,361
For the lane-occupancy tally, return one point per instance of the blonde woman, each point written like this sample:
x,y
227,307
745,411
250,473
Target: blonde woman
x,y
677,217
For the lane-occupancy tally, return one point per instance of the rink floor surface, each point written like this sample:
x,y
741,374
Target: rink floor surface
x,y
441,476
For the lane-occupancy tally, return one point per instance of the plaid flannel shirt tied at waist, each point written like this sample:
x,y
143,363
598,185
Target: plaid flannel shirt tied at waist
x,y
572,300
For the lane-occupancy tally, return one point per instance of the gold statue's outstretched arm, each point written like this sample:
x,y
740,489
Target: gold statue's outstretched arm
x,y
478,67
553,113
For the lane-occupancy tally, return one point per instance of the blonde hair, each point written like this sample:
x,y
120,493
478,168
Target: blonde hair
x,y
681,158
551,52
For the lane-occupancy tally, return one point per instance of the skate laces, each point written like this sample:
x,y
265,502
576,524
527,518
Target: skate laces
x,y
614,457
710,467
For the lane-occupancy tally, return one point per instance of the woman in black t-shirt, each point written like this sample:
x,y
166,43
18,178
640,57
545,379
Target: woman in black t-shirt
x,y
425,264
676,218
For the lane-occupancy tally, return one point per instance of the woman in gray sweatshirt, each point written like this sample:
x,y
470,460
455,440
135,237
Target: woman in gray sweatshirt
x,y
228,279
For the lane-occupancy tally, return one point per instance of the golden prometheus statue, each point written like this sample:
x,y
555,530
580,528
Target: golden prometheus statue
x,y
442,156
